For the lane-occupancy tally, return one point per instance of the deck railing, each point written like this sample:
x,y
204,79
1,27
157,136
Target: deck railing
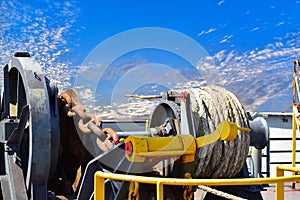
x,y
280,179
296,109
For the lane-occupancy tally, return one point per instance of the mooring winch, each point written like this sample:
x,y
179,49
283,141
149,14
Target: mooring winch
x,y
204,132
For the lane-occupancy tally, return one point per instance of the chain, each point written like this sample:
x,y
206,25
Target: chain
x,y
133,190
87,123
188,192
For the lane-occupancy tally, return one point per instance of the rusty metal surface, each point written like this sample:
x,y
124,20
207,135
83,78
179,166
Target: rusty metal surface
x,y
76,128
87,123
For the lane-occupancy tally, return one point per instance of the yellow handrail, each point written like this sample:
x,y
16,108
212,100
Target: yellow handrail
x,y
295,120
160,182
295,82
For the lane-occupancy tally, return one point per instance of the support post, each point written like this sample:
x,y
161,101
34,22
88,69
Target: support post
x,y
279,185
99,186
160,191
294,127
256,154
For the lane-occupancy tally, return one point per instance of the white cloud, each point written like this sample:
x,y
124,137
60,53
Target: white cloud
x,y
221,2
259,76
255,29
278,44
220,55
26,28
226,38
207,32
280,23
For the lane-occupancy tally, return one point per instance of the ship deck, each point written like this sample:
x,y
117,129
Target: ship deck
x,y
269,193
289,193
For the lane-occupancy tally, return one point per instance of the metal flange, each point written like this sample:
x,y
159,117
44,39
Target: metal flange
x,y
25,85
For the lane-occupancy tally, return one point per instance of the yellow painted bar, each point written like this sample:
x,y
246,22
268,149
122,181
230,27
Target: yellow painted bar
x,y
142,148
165,153
279,185
147,124
99,186
294,127
296,89
295,122
279,180
159,191
288,168
207,139
224,131
211,182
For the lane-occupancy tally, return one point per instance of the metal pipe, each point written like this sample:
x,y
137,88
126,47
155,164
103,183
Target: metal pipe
x,y
294,123
279,185
256,155
133,133
160,191
99,186
279,180
211,182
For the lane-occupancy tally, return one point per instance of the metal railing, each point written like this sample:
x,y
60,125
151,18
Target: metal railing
x,y
268,152
280,179
296,108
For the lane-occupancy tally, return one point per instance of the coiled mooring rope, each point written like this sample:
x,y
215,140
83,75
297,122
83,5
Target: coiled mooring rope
x,y
210,106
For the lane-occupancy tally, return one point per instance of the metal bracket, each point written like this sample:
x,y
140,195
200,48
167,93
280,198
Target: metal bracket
x,y
187,120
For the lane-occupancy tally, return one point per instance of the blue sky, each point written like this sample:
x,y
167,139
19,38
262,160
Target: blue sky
x,y
252,43
242,25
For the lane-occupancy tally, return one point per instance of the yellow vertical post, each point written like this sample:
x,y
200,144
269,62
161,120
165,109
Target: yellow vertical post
x,y
279,185
159,191
295,114
294,127
99,187
147,124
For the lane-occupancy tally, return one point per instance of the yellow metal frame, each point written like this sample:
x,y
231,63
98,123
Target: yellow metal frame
x,y
224,131
160,148
144,149
296,108
280,179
